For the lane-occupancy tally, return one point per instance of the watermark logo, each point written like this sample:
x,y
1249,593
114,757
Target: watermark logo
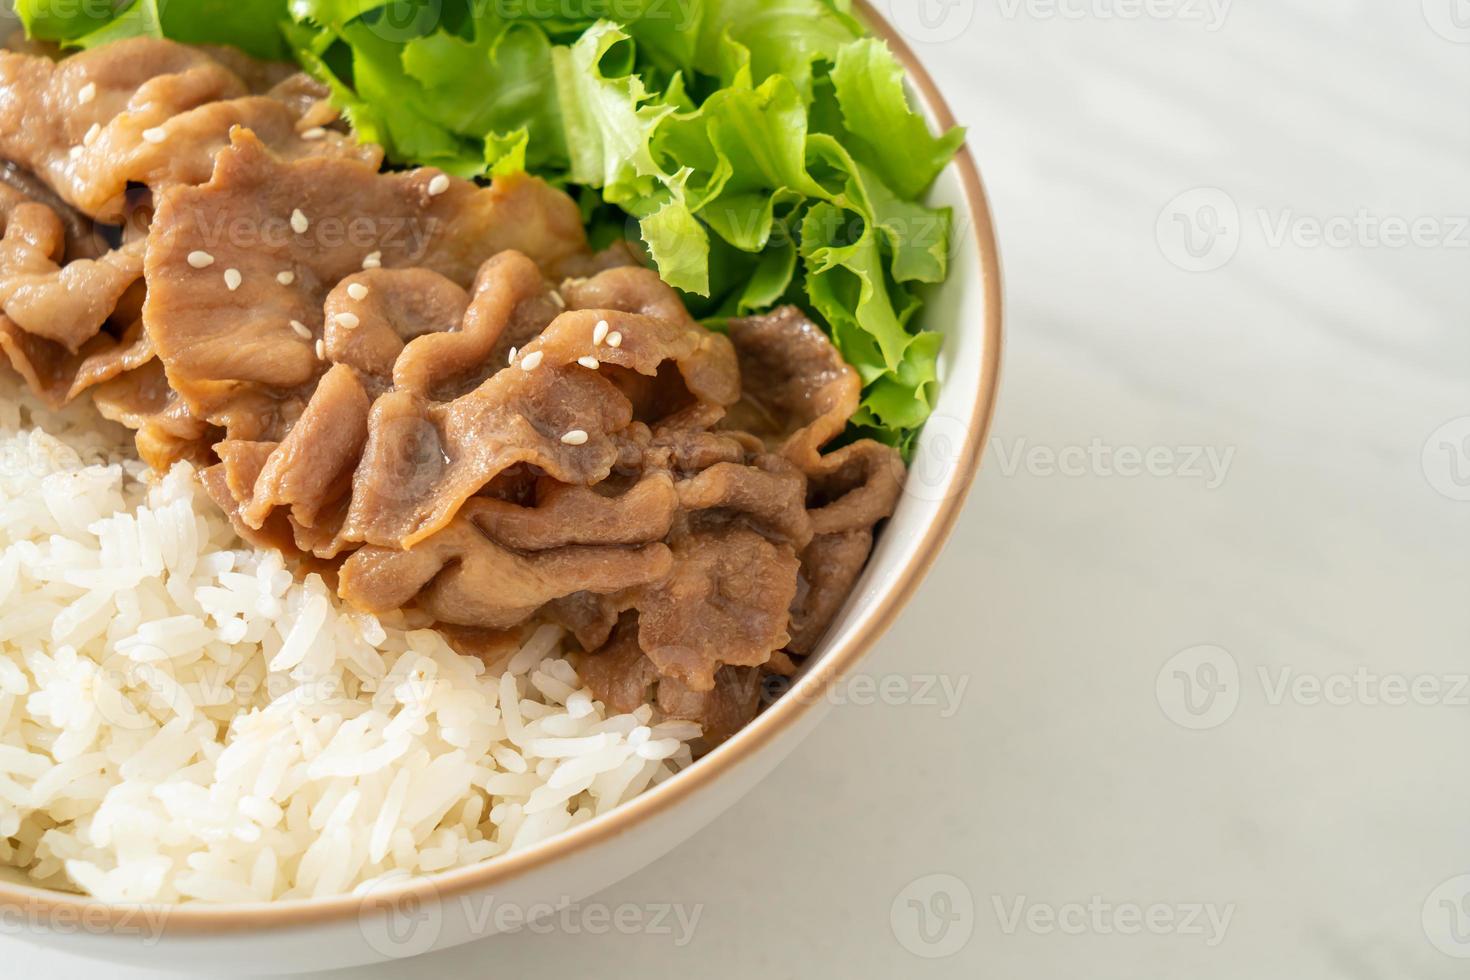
x,y
1199,230
1446,459
682,15
1207,464
39,458
1203,229
1210,13
1099,917
945,693
1364,687
934,470
30,917
934,916
399,922
1363,229
1450,19
1199,688
1446,917
400,916
134,687
398,22
931,21
405,240
674,921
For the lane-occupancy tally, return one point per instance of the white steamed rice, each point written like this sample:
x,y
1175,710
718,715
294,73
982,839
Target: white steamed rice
x,y
182,720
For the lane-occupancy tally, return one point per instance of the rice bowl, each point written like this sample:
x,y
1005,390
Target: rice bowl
x,y
313,729
143,633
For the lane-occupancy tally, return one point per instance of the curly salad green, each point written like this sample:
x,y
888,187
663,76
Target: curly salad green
x,y
763,150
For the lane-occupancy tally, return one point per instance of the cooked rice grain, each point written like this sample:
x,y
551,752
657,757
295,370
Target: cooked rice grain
x,y
182,720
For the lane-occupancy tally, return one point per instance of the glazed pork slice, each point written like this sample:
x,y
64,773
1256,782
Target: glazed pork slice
x,y
429,389
796,391
462,577
566,515
767,546
167,431
237,318
84,239
69,305
93,135
44,294
726,602
57,375
623,678
830,565
142,111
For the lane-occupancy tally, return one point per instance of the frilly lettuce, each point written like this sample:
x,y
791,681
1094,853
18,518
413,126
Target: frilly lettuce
x,y
763,150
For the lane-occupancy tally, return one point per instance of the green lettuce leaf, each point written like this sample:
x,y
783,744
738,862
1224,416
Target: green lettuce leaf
x,y
756,140
774,37
607,114
679,246
848,284
764,151
524,101
251,25
883,132
45,20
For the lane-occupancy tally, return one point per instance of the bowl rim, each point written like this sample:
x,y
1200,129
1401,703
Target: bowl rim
x,y
220,919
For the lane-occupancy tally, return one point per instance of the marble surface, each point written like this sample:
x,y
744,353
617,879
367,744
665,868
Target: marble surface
x,y
1204,623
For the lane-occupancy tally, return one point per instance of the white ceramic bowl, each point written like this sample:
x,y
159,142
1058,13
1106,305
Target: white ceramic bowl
x,y
411,917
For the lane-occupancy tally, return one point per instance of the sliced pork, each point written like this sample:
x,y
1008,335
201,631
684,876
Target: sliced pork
x,y
431,389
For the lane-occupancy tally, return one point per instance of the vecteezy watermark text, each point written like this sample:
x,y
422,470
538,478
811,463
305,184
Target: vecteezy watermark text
x,y
943,692
1208,464
1100,917
1203,229
1200,687
143,922
401,917
1210,13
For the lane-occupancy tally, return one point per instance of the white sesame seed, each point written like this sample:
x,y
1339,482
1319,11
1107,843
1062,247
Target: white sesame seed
x,y
529,362
348,320
299,224
232,279
93,131
599,332
615,339
201,260
512,358
301,330
438,185
588,362
74,152
372,260
314,133
86,93
557,299
321,350
286,278
574,438
357,290
155,135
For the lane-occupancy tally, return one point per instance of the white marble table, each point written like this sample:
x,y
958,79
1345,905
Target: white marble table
x,y
1099,815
